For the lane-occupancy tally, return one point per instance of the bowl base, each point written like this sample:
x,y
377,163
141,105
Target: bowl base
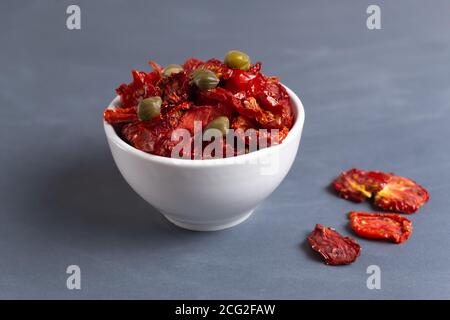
x,y
208,226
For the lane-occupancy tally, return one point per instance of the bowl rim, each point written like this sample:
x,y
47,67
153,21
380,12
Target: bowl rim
x,y
296,128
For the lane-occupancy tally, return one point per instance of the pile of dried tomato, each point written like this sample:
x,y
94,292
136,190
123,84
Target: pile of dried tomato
x,y
389,192
229,94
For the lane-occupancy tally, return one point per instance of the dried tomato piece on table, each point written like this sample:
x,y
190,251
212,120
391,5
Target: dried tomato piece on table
x,y
402,195
332,246
358,185
390,192
387,226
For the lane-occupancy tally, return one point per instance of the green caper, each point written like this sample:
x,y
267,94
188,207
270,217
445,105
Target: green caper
x,y
220,123
204,79
149,108
171,69
237,60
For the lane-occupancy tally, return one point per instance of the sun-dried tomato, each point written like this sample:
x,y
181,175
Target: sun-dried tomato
x,y
271,137
243,123
358,185
120,115
390,192
203,114
333,247
386,226
270,93
272,96
217,66
175,89
263,98
154,136
241,81
402,195
142,86
219,96
251,109
192,64
172,115
156,67
254,68
150,136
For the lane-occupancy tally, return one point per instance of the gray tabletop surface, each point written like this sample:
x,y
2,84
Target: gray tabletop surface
x,y
374,99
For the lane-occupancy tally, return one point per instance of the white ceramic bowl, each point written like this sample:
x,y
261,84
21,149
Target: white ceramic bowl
x,y
207,195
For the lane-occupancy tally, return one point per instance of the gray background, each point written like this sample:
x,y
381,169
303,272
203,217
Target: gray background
x,y
373,99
